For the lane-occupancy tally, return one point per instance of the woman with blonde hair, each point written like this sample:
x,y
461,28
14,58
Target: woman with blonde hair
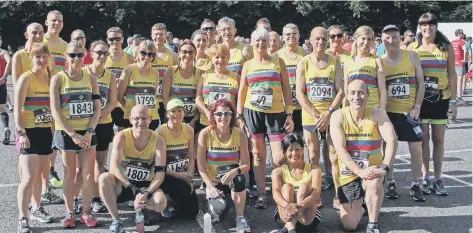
x,y
34,136
139,84
369,68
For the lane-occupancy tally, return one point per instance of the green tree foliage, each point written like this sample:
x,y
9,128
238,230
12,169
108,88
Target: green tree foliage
x,y
183,17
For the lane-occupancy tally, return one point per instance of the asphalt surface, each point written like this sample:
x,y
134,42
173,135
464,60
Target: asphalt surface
x,y
450,214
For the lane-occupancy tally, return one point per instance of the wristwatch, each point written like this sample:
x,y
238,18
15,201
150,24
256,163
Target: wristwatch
x,y
238,171
331,110
90,130
383,167
21,132
239,116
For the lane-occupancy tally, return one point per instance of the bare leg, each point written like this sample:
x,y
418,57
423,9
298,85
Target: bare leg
x,y
259,162
110,189
374,197
350,214
425,150
308,214
87,159
287,191
69,160
438,140
313,146
239,199
29,171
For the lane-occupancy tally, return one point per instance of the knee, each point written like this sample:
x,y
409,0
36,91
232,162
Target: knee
x,y
239,183
278,159
333,159
160,201
438,141
287,188
106,180
374,184
350,225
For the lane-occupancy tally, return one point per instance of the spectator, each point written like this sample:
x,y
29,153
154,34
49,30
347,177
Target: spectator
x,y
136,39
380,48
169,42
347,40
264,23
409,37
460,58
307,45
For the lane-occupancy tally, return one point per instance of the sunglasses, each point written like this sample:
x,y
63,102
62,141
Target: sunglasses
x,y
219,114
208,28
112,39
101,53
410,35
336,35
74,55
79,38
143,53
190,52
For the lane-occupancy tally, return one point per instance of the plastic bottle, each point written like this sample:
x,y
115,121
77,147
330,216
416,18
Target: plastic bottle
x,y
207,223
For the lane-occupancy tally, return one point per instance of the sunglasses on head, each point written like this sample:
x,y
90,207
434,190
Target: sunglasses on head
x,y
190,52
219,114
101,53
208,28
332,36
112,39
74,55
143,53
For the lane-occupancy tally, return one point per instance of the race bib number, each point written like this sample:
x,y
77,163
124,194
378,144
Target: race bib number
x,y
360,157
137,174
42,116
146,96
399,88
81,106
190,109
217,93
103,99
160,88
262,98
117,74
320,90
293,93
222,170
179,165
431,83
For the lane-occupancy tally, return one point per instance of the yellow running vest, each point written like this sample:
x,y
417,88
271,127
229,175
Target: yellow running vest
x,y
368,72
305,179
161,65
104,88
36,110
222,154
214,88
235,64
25,61
363,143
185,90
291,65
116,67
401,84
141,90
320,86
264,87
76,101
58,54
204,65
177,148
434,64
138,166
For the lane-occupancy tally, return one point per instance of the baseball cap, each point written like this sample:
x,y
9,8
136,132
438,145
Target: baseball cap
x,y
138,36
174,103
390,28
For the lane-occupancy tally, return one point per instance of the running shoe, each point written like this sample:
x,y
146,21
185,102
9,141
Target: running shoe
x,y
262,201
282,230
336,203
416,193
460,101
77,205
391,193
253,191
116,226
327,181
54,180
40,215
426,187
242,224
130,204
169,211
97,205
69,221
23,226
6,140
89,220
438,188
372,228
51,198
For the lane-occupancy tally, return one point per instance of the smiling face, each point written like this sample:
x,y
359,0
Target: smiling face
x,y
176,115
357,94
294,153
391,40
200,41
223,115
187,53
318,39
54,22
335,37
100,53
226,31
75,56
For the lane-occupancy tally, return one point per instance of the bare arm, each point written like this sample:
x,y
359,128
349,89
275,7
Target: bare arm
x,y
94,120
190,151
199,98
116,158
383,97
301,90
286,88
175,58
20,93
247,52
123,84
112,97
316,186
16,68
244,153
202,157
167,83
54,93
130,59
243,89
8,67
338,86
160,161
419,77
276,180
452,74
386,129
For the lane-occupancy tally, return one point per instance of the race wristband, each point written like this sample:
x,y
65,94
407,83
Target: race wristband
x,y
159,169
95,96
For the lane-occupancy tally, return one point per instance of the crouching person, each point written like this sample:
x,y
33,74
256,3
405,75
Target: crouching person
x,y
137,167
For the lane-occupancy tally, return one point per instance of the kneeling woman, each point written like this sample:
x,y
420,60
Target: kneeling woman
x,y
222,156
178,184
296,189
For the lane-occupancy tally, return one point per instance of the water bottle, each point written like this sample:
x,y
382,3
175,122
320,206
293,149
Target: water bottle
x,y
207,223
140,221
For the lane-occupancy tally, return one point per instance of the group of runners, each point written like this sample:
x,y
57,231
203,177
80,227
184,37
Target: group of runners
x,y
208,110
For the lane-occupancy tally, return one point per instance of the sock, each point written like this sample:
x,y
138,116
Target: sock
x,y
4,118
372,224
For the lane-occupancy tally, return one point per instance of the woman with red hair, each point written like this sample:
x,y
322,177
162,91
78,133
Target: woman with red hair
x,y
223,159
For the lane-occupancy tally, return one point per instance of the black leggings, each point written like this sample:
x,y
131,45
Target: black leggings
x,y
187,205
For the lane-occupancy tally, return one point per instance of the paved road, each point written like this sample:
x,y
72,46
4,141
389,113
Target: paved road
x,y
452,214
